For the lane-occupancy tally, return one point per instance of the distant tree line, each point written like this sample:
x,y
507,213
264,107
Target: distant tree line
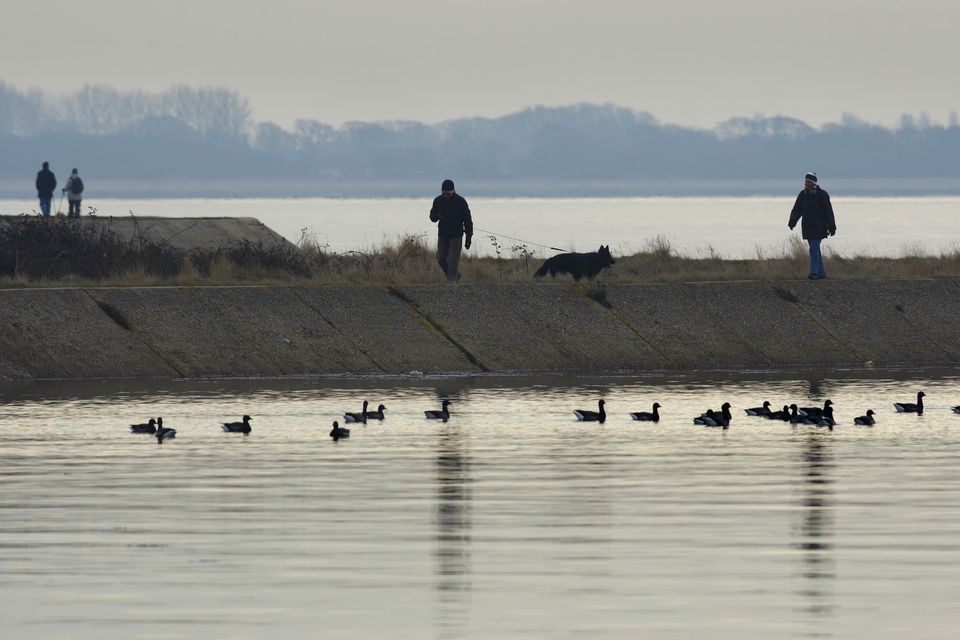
x,y
208,133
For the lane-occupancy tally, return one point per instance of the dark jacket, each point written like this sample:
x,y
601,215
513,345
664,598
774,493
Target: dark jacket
x,y
817,213
46,183
453,216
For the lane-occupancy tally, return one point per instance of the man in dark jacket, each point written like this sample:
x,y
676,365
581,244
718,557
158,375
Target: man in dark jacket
x,y
813,205
46,183
452,214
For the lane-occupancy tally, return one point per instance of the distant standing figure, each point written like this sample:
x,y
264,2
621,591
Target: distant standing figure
x,y
74,190
813,205
46,183
452,213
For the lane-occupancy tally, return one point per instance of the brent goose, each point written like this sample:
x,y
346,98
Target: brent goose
x,y
760,411
375,415
357,417
783,414
442,414
909,407
814,412
724,413
797,418
339,432
956,409
591,416
712,419
652,416
238,427
145,427
867,420
826,419
164,433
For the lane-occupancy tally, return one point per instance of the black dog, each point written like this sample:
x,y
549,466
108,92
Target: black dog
x,y
577,264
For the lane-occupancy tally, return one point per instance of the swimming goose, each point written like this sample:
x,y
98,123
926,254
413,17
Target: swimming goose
x,y
712,419
442,414
814,412
783,414
724,412
375,415
760,411
164,433
867,420
146,427
357,417
797,418
584,415
652,416
339,432
238,427
826,420
955,409
909,407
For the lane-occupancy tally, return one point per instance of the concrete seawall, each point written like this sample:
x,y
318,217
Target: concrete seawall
x,y
243,331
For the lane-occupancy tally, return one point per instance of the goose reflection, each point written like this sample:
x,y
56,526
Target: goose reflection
x,y
454,525
813,538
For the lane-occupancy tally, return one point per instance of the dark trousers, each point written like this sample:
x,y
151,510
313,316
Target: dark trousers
x,y
74,209
816,259
448,256
45,205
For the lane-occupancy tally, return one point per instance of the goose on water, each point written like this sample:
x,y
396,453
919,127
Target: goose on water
x,y
164,433
339,432
760,411
814,412
797,418
909,407
375,415
712,419
651,416
238,427
584,415
442,414
145,427
783,414
955,409
724,412
357,417
867,420
826,419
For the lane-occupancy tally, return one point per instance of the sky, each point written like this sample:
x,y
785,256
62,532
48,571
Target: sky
x,y
688,63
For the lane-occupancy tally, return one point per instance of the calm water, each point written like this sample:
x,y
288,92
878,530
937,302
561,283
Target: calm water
x,y
511,521
732,226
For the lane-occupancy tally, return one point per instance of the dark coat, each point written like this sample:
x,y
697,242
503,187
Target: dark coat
x,y
817,213
453,215
46,183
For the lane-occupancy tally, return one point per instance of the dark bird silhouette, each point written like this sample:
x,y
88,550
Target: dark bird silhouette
x,y
867,420
375,415
164,433
645,416
361,416
909,407
145,427
339,432
585,415
238,427
814,412
442,414
760,411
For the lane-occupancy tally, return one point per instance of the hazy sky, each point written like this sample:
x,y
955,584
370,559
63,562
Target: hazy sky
x,y
691,63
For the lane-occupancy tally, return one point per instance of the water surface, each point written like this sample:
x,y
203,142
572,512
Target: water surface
x,y
512,520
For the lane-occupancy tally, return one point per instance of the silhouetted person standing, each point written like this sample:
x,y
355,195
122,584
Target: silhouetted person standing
x,y
74,190
813,205
46,183
452,214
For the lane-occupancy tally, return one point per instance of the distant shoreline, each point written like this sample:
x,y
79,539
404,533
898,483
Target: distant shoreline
x,y
421,188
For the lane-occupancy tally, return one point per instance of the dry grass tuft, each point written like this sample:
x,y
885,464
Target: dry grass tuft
x,y
410,260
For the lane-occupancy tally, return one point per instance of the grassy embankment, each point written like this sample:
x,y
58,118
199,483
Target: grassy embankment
x,y
65,254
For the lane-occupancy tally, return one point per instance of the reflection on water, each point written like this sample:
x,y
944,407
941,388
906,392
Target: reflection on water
x,y
510,521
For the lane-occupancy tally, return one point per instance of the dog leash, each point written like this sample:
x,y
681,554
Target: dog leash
x,y
502,235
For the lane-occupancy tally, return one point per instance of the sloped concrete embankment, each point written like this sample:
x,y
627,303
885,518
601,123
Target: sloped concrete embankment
x,y
244,331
